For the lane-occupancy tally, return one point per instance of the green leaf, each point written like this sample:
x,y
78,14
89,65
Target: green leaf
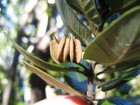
x,y
91,13
119,67
119,42
51,80
45,65
77,81
73,4
125,77
96,12
107,103
72,23
121,5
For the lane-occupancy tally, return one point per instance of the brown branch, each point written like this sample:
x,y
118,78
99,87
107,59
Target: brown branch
x,y
91,77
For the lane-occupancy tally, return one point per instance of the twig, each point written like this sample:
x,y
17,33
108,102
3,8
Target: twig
x,y
91,77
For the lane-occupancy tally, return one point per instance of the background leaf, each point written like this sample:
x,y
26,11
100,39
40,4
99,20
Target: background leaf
x,y
120,101
119,42
51,80
73,24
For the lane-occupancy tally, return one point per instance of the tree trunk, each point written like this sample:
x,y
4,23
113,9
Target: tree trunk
x,y
13,68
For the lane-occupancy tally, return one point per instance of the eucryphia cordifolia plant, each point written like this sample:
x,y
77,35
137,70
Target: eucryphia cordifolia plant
x,y
110,35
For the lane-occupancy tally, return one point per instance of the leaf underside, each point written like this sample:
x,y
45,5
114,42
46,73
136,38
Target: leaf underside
x,y
118,43
91,13
73,4
51,80
72,23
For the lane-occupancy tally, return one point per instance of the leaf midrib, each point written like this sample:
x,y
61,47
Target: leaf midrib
x,y
92,28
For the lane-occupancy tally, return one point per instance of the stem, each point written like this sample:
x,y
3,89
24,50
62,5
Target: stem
x,y
91,77
86,69
90,88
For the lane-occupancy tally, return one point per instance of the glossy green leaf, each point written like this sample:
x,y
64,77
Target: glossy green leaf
x,y
119,42
77,81
51,80
125,77
73,24
45,65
